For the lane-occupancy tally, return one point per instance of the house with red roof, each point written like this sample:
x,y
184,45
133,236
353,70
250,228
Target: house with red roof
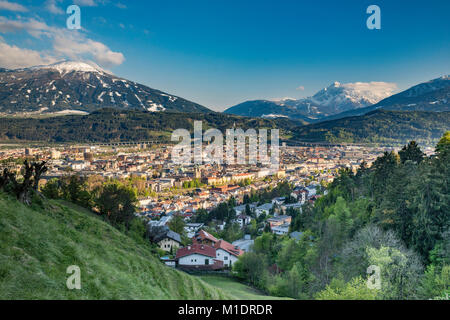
x,y
227,253
198,257
207,253
204,237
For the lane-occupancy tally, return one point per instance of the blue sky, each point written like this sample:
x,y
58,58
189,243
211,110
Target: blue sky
x,y
220,53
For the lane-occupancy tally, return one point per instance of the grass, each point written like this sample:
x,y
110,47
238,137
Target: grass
x,y
38,244
237,289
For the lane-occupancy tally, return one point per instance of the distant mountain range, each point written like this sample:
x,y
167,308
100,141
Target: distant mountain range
x,y
123,110
332,100
77,87
343,100
433,95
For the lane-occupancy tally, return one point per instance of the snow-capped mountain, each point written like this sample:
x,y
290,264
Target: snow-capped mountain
x,y
331,100
69,87
433,95
353,95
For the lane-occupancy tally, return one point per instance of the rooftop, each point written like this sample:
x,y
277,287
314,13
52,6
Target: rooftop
x,y
201,249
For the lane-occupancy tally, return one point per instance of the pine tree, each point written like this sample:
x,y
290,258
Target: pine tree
x,y
411,152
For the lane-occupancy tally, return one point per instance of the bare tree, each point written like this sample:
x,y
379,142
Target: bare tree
x,y
30,181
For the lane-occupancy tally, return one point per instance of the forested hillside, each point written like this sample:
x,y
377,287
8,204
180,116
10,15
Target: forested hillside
x,y
380,126
394,215
113,125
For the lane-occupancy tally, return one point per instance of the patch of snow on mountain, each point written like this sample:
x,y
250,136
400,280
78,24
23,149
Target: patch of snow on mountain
x,y
100,96
68,112
72,66
272,116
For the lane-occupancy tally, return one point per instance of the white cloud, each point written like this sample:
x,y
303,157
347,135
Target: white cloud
x,y
32,26
13,57
74,47
66,43
12,6
374,88
52,7
86,3
301,88
120,5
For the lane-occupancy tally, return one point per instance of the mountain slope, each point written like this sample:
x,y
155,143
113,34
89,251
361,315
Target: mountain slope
x,y
80,86
37,245
334,99
380,126
265,109
433,95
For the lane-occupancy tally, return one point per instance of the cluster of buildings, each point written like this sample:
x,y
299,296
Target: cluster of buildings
x,y
185,189
207,253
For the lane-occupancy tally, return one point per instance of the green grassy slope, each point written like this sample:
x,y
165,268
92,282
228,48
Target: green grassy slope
x,y
37,245
237,289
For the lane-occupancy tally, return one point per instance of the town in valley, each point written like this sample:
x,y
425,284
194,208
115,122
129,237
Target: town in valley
x,y
168,191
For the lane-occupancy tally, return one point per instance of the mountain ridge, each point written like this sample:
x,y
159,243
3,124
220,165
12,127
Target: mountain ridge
x,y
82,87
329,101
432,95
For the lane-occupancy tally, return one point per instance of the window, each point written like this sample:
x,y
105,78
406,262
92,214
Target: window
x,y
225,258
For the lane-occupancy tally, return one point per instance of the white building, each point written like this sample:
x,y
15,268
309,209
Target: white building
x,y
227,253
196,255
243,220
265,208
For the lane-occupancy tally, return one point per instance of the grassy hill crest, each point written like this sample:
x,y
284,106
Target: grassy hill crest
x,y
38,243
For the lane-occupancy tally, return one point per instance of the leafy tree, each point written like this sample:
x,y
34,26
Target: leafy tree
x,y
118,204
74,189
231,232
177,224
252,267
356,289
137,229
400,272
443,146
223,212
435,284
265,243
201,216
52,189
354,258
